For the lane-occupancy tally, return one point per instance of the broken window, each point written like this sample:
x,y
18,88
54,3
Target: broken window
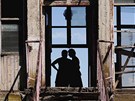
x,y
66,29
125,44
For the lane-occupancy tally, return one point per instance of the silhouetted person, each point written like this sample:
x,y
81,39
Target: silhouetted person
x,y
62,79
75,74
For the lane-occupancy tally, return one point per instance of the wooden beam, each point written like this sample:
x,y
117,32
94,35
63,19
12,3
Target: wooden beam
x,y
125,31
10,19
70,93
64,3
124,4
124,72
124,46
127,53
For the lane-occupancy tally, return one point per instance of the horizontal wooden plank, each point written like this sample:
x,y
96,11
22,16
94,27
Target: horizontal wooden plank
x,y
124,47
10,18
125,31
65,3
124,4
70,93
125,52
124,72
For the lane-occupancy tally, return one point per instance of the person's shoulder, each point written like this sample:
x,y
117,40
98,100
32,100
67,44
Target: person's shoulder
x,y
58,59
69,60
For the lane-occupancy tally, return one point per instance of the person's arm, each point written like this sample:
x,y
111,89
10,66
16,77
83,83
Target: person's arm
x,y
53,64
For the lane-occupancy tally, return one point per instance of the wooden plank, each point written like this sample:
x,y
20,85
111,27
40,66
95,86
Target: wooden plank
x,y
69,89
102,74
124,4
70,93
105,41
124,47
125,72
64,3
107,54
125,52
10,19
125,31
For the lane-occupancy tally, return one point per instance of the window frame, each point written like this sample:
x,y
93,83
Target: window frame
x,y
92,60
9,20
21,19
119,26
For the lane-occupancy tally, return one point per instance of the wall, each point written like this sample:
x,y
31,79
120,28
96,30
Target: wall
x,y
9,69
105,18
34,30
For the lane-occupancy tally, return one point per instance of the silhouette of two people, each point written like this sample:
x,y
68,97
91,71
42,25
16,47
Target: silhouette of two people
x,y
68,72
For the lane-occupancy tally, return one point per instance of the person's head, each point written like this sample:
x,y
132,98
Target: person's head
x,y
72,52
64,53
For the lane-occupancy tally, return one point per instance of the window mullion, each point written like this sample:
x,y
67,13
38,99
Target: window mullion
x,y
118,57
68,26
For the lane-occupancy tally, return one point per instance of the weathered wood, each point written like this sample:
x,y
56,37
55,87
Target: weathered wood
x,y
71,96
70,89
124,72
102,74
65,3
125,31
70,93
9,70
6,97
10,19
124,4
124,46
106,41
107,54
125,64
32,41
127,53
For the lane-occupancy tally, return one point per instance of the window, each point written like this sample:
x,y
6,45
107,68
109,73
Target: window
x,y
125,41
66,28
12,42
10,17
10,37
